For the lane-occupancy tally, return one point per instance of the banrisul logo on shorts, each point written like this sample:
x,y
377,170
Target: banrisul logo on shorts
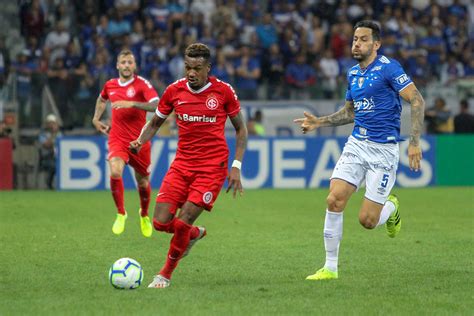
x,y
196,118
207,197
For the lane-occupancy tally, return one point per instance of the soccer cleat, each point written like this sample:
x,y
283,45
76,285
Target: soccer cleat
x,y
192,242
394,222
159,282
119,224
145,224
322,274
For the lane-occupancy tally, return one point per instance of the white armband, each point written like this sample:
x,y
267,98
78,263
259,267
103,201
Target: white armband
x,y
237,164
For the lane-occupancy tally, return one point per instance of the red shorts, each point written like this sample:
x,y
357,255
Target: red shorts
x,y
198,187
140,162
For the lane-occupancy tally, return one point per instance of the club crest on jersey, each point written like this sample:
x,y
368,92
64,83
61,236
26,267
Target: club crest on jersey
x,y
212,102
360,82
130,92
207,197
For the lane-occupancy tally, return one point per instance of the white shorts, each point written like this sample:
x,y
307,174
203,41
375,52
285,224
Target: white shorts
x,y
375,162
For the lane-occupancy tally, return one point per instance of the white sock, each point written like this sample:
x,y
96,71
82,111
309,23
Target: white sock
x,y
387,210
332,238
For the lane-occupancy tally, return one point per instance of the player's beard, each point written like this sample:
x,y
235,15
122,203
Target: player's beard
x,y
361,57
126,77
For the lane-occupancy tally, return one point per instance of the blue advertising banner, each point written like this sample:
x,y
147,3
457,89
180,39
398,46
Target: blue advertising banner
x,y
296,162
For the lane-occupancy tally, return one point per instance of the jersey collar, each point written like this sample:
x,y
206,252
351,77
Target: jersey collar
x,y
200,90
363,71
125,83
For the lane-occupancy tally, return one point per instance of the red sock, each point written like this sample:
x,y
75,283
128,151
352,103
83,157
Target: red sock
x,y
168,227
116,185
179,243
144,199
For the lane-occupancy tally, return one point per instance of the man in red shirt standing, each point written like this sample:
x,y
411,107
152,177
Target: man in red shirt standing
x,y
195,178
131,97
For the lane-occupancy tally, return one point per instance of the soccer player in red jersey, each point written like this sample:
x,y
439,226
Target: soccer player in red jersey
x,y
131,97
195,178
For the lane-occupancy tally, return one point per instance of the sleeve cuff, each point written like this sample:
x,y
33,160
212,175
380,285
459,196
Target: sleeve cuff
x,y
163,116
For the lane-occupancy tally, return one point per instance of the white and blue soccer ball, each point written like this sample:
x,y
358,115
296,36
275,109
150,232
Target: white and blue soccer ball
x,y
126,273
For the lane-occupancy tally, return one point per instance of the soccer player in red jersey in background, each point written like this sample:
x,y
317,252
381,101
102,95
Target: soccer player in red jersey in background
x,y
195,178
131,97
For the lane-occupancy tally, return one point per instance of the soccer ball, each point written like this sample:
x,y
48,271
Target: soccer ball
x,y
126,273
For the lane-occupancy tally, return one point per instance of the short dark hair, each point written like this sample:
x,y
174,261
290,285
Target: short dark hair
x,y
197,50
464,104
371,25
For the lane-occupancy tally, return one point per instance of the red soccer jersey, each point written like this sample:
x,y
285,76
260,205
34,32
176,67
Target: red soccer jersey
x,y
201,117
127,123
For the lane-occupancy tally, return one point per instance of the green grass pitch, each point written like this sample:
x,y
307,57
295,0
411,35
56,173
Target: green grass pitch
x,y
57,247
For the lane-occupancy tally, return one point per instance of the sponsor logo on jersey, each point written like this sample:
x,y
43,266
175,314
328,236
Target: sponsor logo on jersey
x,y
364,105
376,68
207,197
130,92
384,60
360,82
402,79
353,72
212,103
197,118
362,131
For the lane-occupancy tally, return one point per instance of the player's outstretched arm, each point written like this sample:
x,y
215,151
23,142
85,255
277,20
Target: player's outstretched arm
x,y
311,122
241,135
412,95
99,110
148,131
145,106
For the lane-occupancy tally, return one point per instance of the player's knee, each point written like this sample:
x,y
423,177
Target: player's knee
x,y
115,174
367,221
143,184
334,202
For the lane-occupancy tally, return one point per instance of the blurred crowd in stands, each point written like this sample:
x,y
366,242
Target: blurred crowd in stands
x,y
267,49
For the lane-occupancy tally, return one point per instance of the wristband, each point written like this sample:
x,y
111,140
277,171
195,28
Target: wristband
x,y
237,164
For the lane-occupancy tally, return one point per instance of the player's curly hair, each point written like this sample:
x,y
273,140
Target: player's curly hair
x,y
371,25
197,50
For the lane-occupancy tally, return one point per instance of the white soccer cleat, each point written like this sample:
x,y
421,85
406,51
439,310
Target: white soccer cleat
x,y
192,242
159,282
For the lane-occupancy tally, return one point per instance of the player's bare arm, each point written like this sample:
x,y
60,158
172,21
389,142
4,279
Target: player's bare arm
x,y
99,110
412,95
311,122
147,133
145,106
240,146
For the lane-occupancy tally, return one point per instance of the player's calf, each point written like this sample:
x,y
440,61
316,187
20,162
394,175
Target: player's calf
x,y
368,221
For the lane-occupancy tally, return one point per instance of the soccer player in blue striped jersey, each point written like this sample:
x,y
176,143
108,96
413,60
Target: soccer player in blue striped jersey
x,y
371,153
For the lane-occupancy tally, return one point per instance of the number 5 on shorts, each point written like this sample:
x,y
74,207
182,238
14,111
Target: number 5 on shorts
x,y
384,182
